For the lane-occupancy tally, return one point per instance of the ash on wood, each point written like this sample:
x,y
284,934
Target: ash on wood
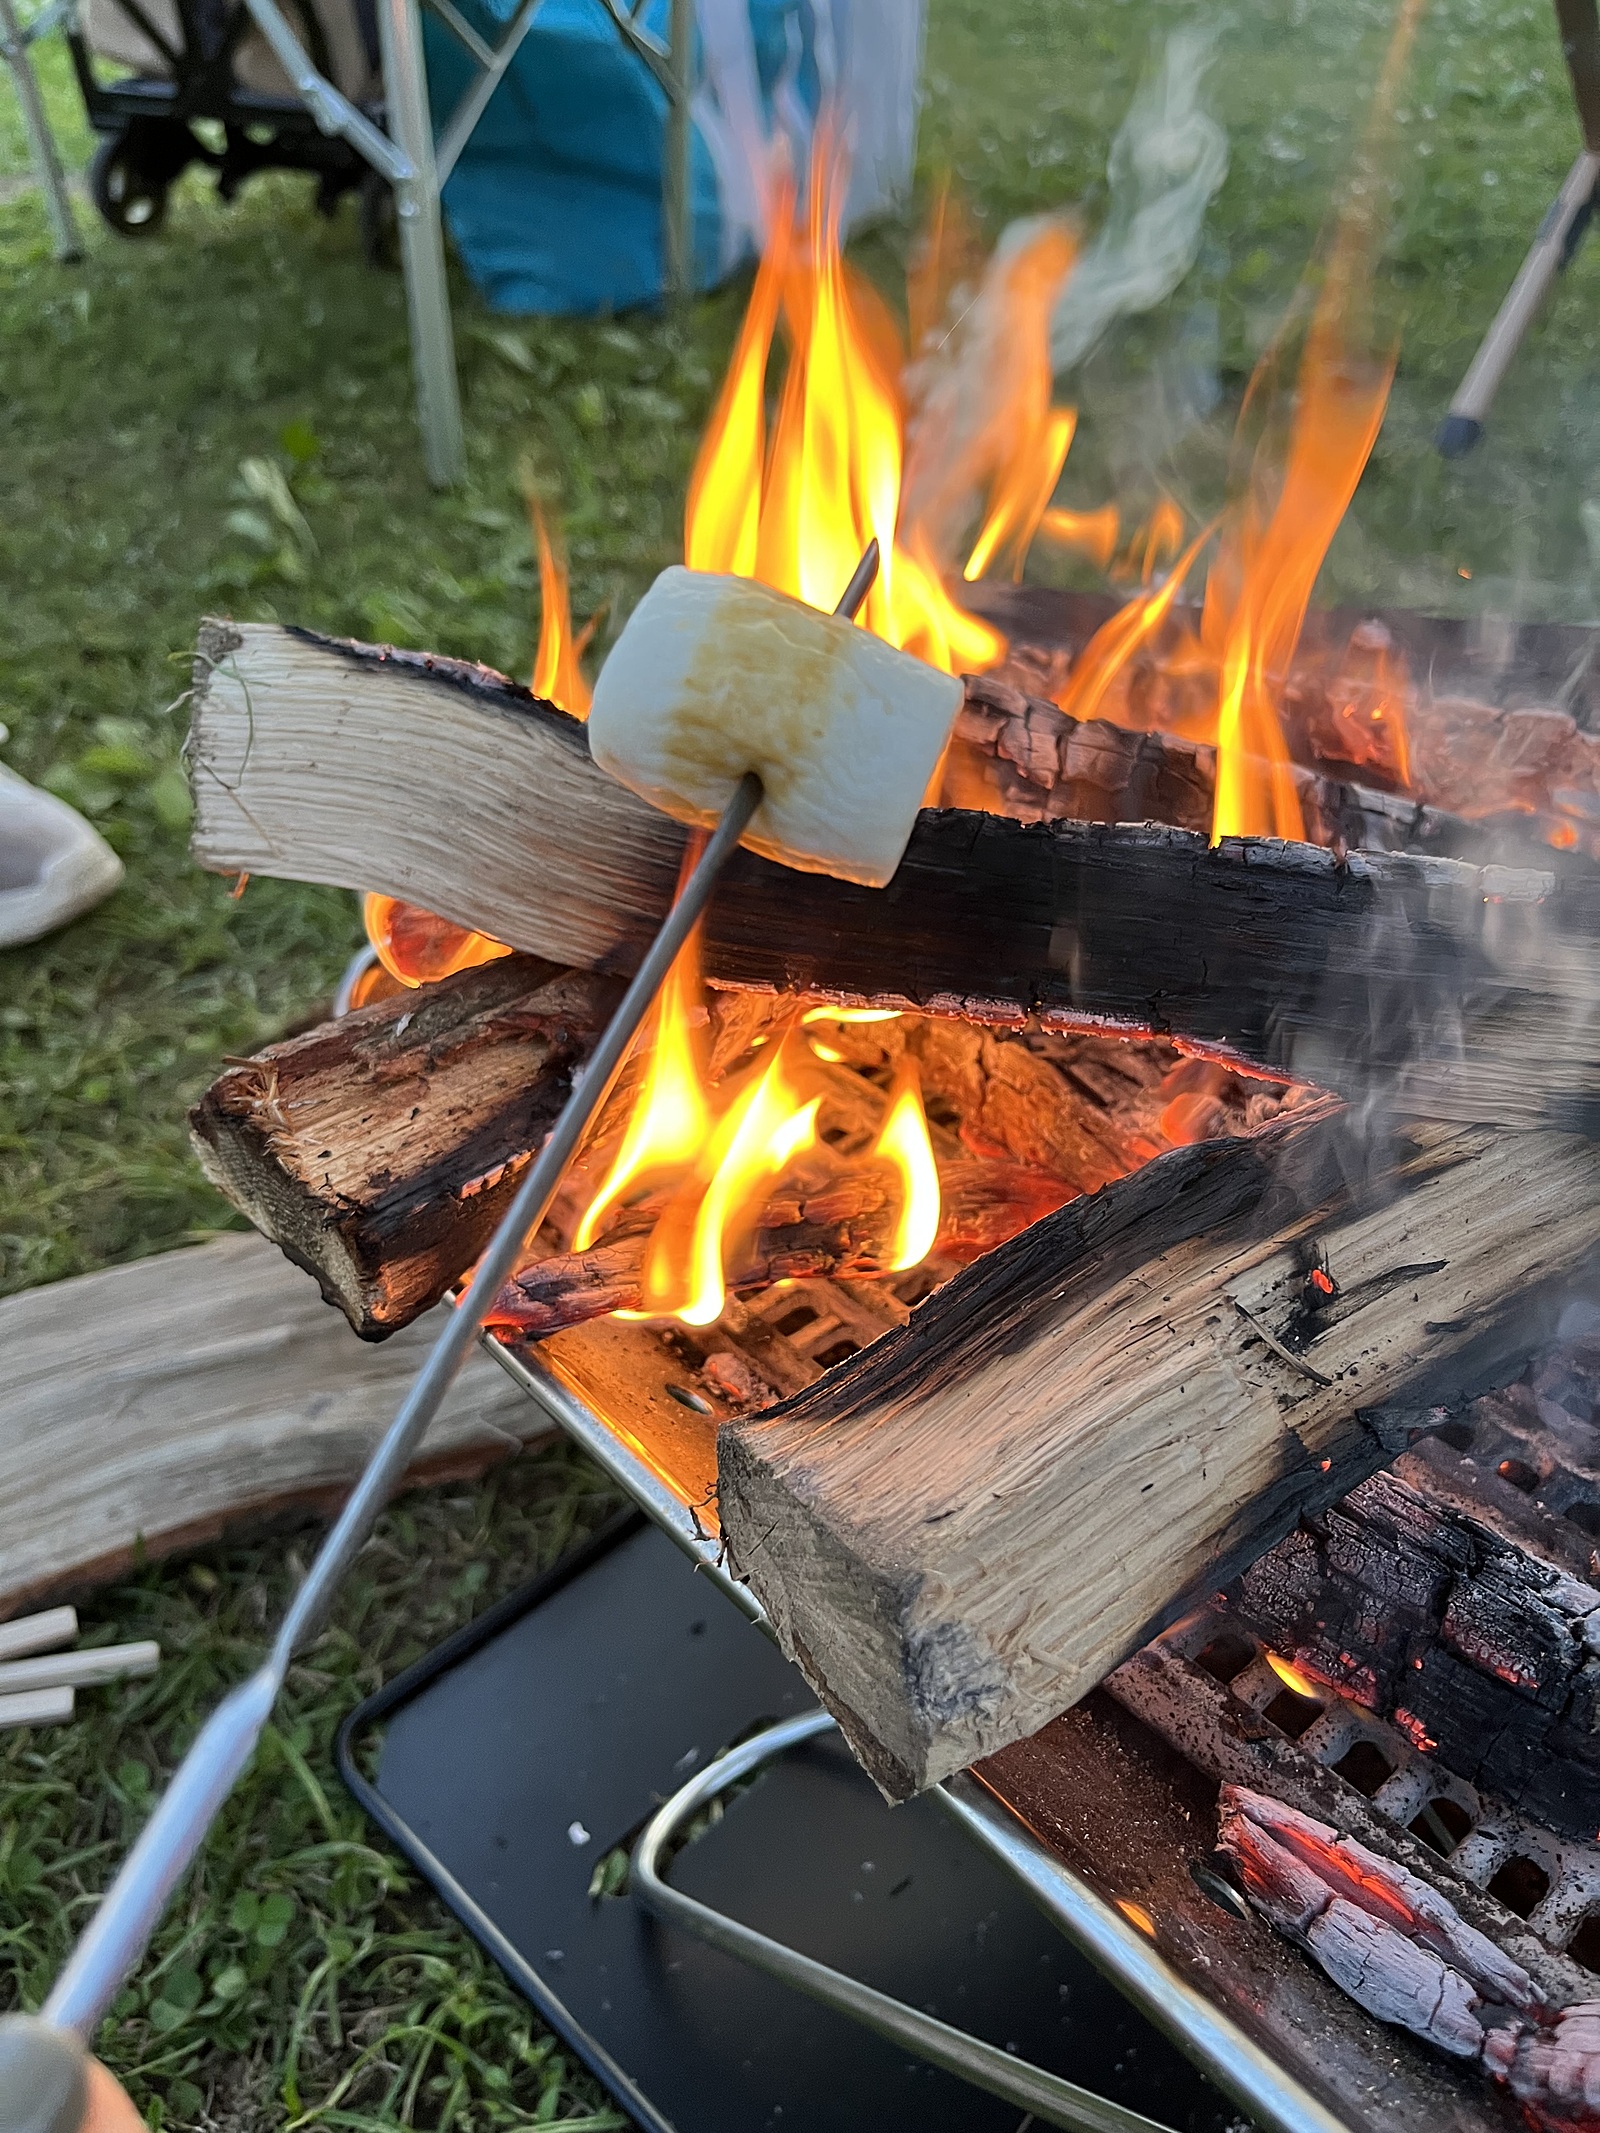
x,y
1452,991
380,1151
974,1521
1137,1822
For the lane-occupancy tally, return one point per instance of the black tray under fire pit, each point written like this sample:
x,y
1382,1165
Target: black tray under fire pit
x,y
516,1757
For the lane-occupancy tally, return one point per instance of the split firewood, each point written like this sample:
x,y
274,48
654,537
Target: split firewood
x,y
973,1521
842,1229
1446,989
1404,1953
155,1406
1017,754
379,1151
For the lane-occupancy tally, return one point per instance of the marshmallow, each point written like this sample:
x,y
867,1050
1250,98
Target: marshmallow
x,y
716,676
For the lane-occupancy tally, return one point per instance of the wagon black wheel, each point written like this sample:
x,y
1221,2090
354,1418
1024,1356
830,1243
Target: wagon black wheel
x,y
380,229
131,201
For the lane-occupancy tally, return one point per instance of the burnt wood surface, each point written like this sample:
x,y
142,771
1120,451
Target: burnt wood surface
x,y
1138,1822
380,1151
1433,1595
1449,990
1015,753
972,1522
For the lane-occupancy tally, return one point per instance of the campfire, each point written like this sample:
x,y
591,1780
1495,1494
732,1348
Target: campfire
x,y
1096,1235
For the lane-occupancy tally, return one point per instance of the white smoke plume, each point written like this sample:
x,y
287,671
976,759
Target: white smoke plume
x,y
1167,161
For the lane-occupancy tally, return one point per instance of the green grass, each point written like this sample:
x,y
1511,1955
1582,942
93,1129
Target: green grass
x,y
141,395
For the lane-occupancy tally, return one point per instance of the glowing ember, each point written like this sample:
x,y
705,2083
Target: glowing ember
x,y
1291,1677
851,1014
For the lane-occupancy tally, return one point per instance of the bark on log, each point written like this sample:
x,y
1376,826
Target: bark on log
x,y
381,1150
1444,989
974,1521
1018,754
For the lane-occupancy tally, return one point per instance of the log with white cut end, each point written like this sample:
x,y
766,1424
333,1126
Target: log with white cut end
x,y
716,676
1453,990
966,1526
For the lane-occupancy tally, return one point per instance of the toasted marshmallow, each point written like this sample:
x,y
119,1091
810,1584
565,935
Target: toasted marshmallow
x,y
716,676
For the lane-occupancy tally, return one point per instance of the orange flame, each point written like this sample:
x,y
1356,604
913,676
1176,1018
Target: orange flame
x,y
904,1143
1095,532
1120,636
557,676
1274,544
1291,1677
670,1119
1157,541
1023,490
766,1126
797,508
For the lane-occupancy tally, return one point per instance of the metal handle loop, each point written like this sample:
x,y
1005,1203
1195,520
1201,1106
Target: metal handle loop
x,y
1056,2101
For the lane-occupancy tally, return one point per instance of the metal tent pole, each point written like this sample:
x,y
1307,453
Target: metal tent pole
x,y
421,227
41,142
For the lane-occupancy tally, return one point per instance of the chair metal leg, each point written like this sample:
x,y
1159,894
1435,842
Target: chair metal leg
x,y
1549,253
41,142
677,192
422,243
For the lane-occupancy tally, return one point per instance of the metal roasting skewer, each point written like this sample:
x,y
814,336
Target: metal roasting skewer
x,y
130,1910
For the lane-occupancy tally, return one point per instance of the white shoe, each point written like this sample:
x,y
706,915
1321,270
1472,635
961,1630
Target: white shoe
x,y
53,866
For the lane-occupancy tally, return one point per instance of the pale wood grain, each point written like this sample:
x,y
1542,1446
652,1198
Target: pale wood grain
x,y
964,1528
1451,990
154,1405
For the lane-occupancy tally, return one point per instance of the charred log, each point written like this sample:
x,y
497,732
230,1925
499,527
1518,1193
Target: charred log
x,y
381,1150
1017,754
1444,989
1123,1407
842,1229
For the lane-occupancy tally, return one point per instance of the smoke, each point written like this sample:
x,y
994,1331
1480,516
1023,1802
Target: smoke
x,y
1167,161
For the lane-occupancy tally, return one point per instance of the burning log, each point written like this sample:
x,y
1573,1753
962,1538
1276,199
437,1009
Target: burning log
x,y
975,1520
1017,754
841,1230
1448,990
380,1151
377,1150
1404,1953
